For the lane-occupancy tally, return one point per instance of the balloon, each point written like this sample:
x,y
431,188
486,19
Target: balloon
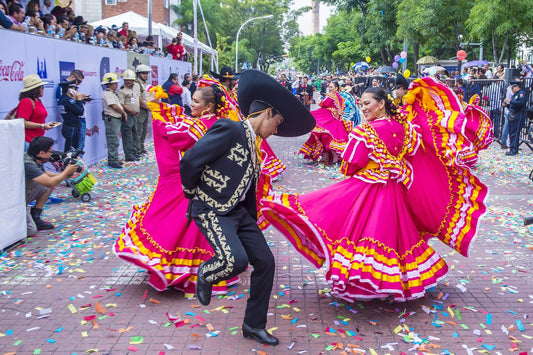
x,y
461,55
402,60
403,54
368,59
395,65
407,73
396,58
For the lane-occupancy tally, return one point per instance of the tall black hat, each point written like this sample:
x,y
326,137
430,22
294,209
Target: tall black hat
x,y
225,73
256,85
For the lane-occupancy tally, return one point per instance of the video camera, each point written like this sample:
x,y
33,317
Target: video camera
x,y
62,159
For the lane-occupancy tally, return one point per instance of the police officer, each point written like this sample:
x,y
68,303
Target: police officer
x,y
516,116
144,115
129,95
113,115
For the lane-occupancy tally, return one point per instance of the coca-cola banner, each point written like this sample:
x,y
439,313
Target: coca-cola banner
x,y
53,60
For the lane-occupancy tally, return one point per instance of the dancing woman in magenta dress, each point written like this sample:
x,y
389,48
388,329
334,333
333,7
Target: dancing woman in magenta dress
x,y
330,135
406,183
156,237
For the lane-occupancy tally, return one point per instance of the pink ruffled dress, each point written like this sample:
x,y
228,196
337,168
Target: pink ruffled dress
x,y
408,183
331,131
156,237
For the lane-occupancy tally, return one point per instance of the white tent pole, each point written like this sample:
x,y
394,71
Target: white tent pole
x,y
149,17
195,29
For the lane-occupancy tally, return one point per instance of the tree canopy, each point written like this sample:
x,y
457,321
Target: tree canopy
x,y
360,29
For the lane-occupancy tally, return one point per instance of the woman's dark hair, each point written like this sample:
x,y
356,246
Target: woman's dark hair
x,y
336,83
259,106
212,95
381,94
40,144
131,39
185,82
31,94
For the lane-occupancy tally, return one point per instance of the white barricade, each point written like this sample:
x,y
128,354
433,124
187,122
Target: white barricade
x,y
12,193
53,59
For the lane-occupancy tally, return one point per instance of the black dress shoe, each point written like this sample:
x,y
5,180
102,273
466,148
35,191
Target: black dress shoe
x,y
511,153
260,335
203,288
115,165
132,159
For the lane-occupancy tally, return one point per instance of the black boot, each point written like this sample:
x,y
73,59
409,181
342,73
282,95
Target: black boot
x,y
39,223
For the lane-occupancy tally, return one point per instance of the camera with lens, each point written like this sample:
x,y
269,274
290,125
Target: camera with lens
x,y
62,159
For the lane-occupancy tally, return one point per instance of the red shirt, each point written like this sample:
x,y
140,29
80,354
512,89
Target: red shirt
x,y
176,50
124,33
38,115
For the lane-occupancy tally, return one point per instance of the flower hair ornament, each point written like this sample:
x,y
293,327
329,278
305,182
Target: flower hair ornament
x,y
393,108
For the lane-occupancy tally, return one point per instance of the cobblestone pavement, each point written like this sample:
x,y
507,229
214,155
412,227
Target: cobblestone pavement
x,y
65,292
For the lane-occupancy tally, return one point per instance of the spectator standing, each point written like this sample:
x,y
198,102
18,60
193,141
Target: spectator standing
x,y
194,82
72,104
47,7
495,105
124,29
324,85
305,92
174,90
31,109
176,48
144,115
40,183
285,83
113,115
129,95
505,131
488,71
500,73
186,96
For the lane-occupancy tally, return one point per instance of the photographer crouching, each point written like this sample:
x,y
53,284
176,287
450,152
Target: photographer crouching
x,y
40,183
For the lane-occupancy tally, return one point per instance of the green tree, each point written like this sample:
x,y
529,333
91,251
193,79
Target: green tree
x,y
502,23
379,29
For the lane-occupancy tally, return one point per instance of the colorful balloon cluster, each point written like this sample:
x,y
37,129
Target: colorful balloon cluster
x,y
399,59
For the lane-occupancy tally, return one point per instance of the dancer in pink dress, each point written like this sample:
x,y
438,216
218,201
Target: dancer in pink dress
x,y
328,139
157,237
407,183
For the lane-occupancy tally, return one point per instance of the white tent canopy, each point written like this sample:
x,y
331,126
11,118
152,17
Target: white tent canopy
x,y
139,24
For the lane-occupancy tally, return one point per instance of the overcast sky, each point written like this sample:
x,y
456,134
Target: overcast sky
x,y
305,20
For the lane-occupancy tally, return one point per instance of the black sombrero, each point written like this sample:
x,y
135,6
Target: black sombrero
x,y
401,81
256,85
226,73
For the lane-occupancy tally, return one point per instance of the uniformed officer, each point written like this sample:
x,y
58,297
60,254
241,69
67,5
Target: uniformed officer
x,y
112,115
516,116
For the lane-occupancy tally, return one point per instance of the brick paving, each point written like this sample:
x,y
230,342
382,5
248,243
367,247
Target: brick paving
x,y
50,285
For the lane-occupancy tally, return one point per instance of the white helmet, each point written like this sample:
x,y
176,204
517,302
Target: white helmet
x,y
141,68
129,75
109,78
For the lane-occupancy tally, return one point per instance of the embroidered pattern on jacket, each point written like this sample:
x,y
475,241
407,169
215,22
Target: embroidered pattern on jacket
x,y
215,179
238,154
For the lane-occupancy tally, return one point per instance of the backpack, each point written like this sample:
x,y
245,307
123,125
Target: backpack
x,y
11,115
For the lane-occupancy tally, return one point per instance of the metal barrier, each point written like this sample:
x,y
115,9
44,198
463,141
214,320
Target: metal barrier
x,y
491,91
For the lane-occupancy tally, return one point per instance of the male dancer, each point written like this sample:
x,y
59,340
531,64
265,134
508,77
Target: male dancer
x,y
219,174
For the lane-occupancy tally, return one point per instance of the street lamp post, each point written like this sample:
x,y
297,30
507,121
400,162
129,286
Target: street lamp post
x,y
237,39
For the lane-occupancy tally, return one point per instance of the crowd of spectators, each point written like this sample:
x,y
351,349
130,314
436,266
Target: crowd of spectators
x,y
62,23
